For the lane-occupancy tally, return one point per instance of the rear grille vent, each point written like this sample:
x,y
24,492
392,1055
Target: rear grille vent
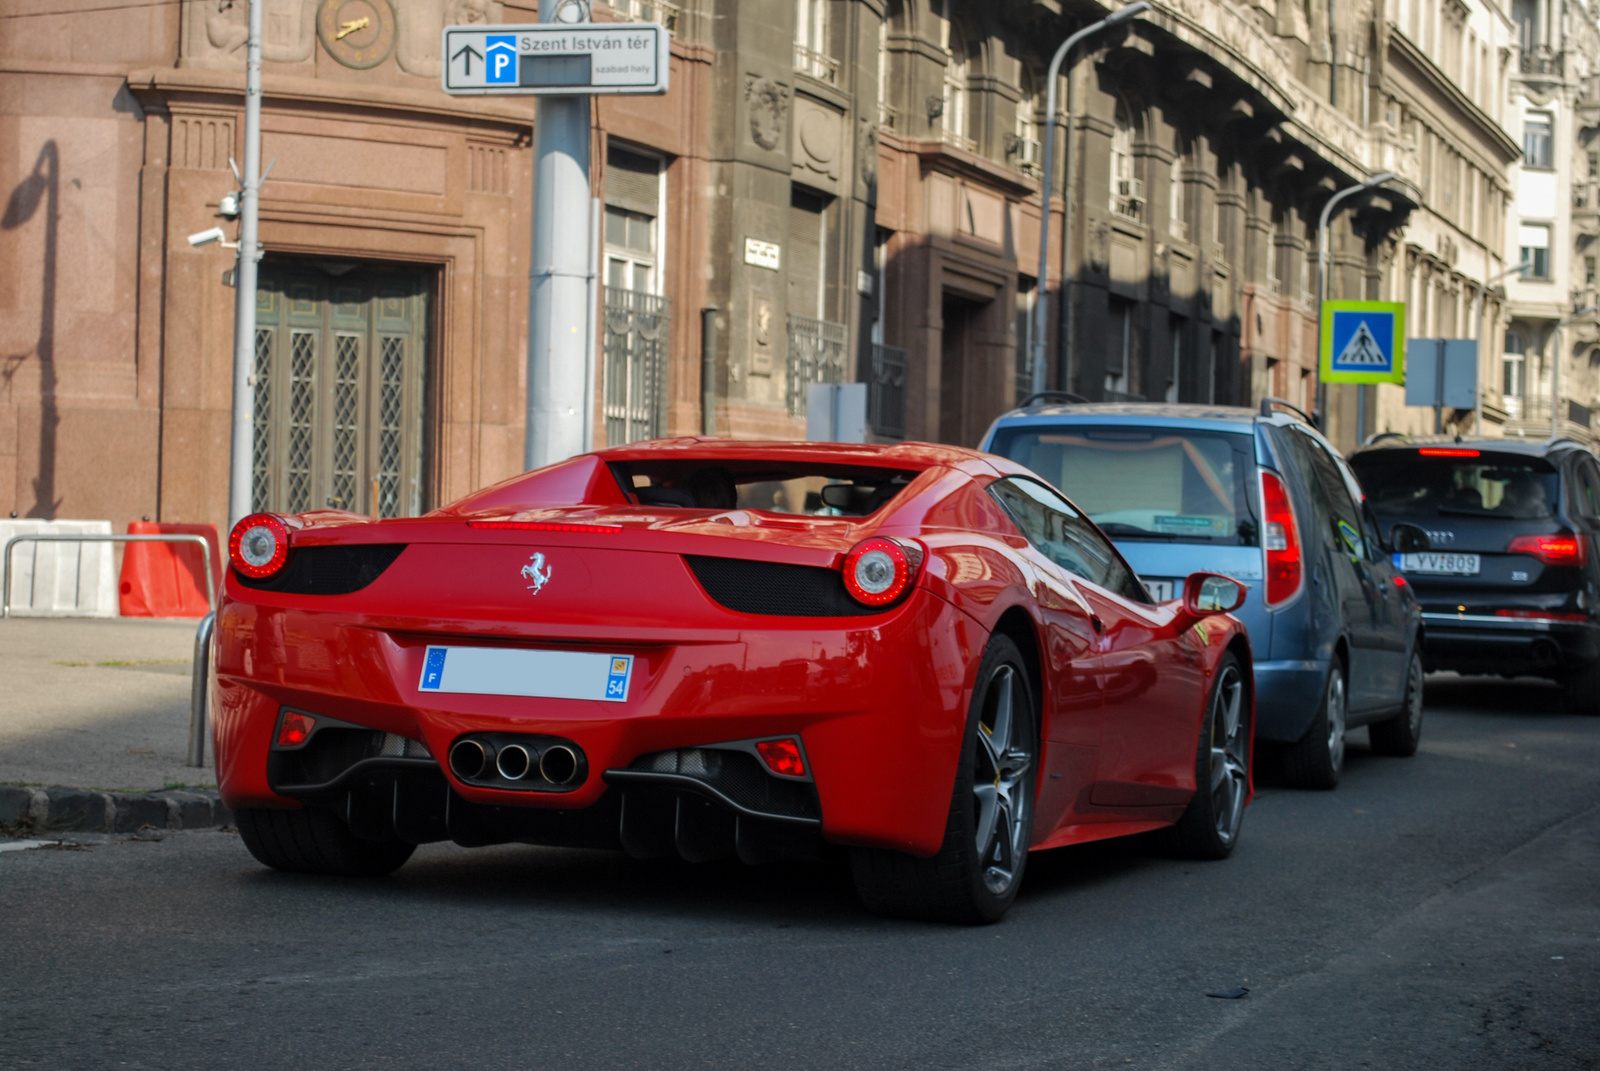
x,y
776,588
336,570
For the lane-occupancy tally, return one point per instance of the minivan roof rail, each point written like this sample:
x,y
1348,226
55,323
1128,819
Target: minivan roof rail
x,y
1379,436
1269,404
1054,396
1570,441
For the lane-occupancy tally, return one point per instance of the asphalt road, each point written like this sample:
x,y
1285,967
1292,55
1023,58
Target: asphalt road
x,y
1441,912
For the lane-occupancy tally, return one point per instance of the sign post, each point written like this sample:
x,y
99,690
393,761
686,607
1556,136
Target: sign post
x,y
563,63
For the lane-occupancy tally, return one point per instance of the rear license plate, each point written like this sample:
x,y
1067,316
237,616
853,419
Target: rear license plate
x,y
538,674
1160,590
1437,563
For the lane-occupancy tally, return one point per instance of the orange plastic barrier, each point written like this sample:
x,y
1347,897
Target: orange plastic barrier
x,y
167,579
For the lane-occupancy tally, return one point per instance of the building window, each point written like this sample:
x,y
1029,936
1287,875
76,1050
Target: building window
x,y
1127,191
633,203
811,41
1537,147
1513,364
1178,327
1589,271
886,113
1534,239
1177,216
958,56
1120,345
807,252
1024,148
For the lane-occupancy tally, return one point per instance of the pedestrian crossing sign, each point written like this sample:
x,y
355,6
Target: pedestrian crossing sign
x,y
1363,342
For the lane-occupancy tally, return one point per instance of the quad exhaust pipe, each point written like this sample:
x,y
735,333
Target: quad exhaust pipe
x,y
513,762
468,758
558,764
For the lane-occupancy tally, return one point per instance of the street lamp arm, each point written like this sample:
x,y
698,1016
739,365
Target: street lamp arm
x,y
1041,307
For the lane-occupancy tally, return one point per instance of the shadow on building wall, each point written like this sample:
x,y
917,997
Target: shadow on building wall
x,y
42,185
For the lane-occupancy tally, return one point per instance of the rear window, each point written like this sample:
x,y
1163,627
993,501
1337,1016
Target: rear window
x,y
1154,484
1399,483
721,484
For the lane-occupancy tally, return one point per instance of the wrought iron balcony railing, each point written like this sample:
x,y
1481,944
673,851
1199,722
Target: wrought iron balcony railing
x,y
816,355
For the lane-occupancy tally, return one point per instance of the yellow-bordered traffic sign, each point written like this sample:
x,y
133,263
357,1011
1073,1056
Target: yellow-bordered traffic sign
x,y
1363,342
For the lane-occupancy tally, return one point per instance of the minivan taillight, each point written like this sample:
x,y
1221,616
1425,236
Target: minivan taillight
x,y
1281,538
1558,549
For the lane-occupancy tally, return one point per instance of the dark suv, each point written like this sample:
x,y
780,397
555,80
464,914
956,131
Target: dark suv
x,y
1508,573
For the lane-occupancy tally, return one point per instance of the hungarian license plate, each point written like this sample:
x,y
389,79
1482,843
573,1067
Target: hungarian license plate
x,y
1160,590
1439,564
536,674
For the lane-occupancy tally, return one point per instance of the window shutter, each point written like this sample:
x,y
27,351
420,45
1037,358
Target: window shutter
x,y
633,182
804,254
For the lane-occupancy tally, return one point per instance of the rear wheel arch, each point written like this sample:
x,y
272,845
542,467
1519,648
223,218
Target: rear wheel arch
x,y
1020,627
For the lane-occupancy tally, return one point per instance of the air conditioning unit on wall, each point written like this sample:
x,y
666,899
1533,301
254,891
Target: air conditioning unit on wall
x,y
1131,188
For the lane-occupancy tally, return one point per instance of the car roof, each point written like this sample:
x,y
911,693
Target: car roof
x,y
1527,447
1161,414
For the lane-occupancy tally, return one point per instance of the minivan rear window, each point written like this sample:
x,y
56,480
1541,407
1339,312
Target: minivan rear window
x,y
1169,485
1400,483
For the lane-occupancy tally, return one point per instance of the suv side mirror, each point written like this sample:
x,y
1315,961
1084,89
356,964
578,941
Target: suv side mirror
x,y
1409,539
1210,593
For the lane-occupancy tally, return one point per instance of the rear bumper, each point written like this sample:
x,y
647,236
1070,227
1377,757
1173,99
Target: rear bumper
x,y
1287,695
879,704
1482,644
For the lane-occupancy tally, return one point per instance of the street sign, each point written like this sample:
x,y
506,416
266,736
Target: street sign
x,y
1442,372
556,59
1363,342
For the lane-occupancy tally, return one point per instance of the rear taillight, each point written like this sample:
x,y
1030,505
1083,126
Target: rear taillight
x,y
1282,541
782,757
878,571
1559,549
1542,615
295,729
259,545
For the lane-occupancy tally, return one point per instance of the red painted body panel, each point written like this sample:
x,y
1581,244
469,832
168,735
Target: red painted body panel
x,y
880,701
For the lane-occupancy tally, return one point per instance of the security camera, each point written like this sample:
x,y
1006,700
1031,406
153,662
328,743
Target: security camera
x,y
206,237
228,207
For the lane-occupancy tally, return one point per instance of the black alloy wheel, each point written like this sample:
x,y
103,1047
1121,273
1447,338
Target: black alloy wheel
x,y
1209,828
1316,761
976,873
1400,735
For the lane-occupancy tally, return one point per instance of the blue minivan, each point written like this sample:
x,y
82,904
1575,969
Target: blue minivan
x,y
1264,498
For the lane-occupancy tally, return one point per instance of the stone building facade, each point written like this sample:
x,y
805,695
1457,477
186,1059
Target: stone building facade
x,y
844,189
1554,109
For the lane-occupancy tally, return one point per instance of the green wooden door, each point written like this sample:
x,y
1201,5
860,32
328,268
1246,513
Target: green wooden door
x,y
340,389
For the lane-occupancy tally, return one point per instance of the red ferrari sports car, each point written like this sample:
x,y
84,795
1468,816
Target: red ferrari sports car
x,y
710,648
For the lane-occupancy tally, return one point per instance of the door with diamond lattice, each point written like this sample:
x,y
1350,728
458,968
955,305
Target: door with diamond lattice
x,y
340,386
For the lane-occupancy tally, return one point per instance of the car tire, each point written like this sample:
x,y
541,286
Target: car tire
x,y
316,841
1582,693
1316,761
1210,824
1399,736
976,872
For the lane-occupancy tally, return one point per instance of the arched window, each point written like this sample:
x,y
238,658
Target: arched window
x,y
1127,192
956,111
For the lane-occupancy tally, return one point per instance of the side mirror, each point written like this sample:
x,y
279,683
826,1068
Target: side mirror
x,y
1409,539
1211,593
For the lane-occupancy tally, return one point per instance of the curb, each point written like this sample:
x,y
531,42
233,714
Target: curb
x,y
61,810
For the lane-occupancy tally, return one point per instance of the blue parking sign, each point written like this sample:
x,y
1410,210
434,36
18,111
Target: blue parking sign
x,y
500,56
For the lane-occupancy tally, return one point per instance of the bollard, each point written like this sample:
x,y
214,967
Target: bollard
x,y
198,690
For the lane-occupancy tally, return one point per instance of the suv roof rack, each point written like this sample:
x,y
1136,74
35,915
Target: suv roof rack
x,y
1054,396
1570,441
1380,436
1269,404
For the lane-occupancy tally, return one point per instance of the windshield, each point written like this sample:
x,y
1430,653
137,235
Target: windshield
x,y
1153,484
1404,484
723,484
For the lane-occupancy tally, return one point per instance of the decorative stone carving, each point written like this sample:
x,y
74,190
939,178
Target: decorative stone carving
x,y
768,102
1098,253
761,332
422,23
214,32
867,152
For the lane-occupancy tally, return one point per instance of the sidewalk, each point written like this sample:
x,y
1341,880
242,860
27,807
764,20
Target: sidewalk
x,y
99,705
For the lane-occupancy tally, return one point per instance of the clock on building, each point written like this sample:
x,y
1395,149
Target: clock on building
x,y
357,33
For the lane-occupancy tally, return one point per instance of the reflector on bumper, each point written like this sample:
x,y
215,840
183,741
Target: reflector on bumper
x,y
538,674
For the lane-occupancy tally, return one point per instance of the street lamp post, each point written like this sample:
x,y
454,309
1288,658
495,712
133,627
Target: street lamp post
x,y
1121,15
1555,368
1322,294
241,467
1477,318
